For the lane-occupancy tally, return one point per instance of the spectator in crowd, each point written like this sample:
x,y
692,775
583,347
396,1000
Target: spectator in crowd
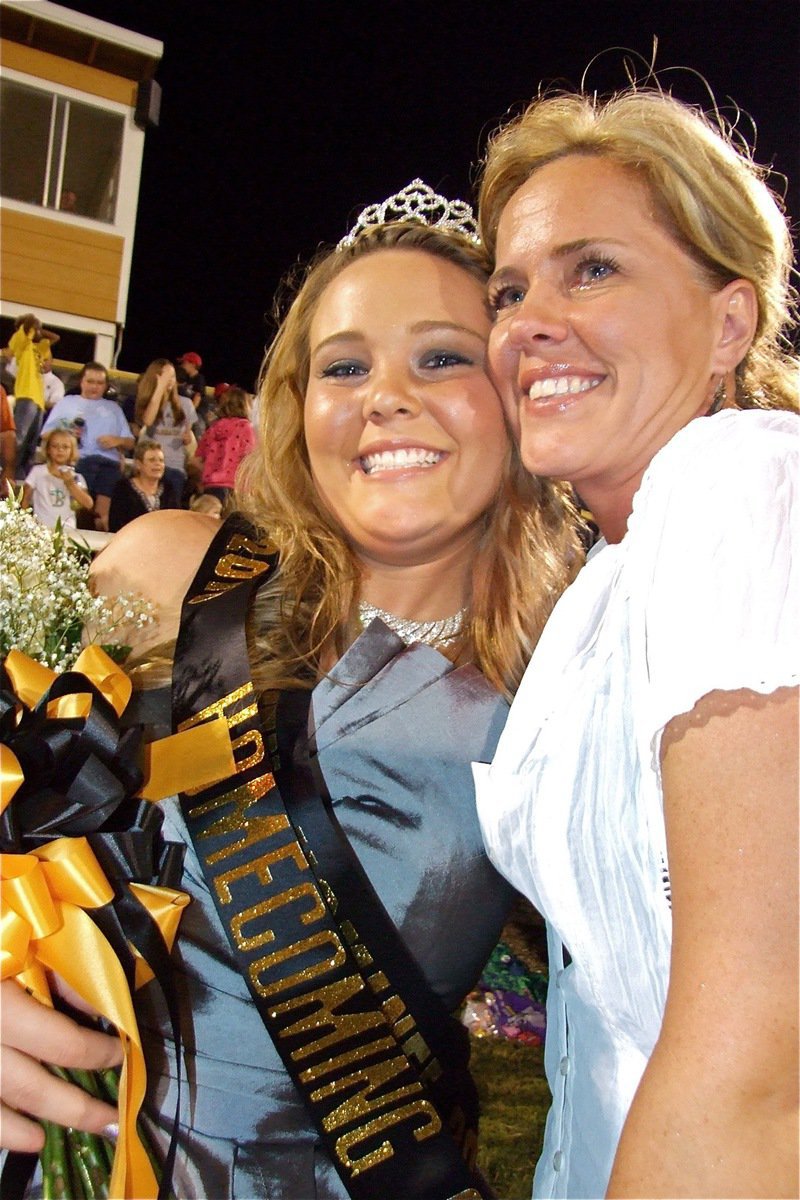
x,y
208,504
102,432
223,446
54,489
190,381
206,408
146,490
53,387
192,384
167,417
30,346
8,445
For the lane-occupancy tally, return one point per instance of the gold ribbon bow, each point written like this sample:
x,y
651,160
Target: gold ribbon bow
x,y
46,893
193,758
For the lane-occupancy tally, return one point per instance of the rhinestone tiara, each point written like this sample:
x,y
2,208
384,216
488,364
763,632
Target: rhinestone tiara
x,y
417,202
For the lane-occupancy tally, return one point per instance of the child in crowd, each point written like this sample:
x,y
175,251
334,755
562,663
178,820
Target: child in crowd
x,y
225,443
208,504
54,489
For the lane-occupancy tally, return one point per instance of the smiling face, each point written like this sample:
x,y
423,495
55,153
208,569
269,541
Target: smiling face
x,y
404,429
606,340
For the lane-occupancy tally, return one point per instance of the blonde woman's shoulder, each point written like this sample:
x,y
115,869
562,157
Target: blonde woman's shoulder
x,y
156,555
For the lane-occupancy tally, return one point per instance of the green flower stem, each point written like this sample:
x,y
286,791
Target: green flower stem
x,y
90,1156
89,1163
57,1183
46,1161
108,1079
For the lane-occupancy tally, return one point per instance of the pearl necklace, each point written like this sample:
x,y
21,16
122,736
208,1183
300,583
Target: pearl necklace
x,y
434,633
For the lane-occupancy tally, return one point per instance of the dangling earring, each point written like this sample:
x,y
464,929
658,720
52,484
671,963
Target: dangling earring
x,y
718,399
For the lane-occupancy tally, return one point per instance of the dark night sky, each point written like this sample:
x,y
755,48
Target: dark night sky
x,y
279,121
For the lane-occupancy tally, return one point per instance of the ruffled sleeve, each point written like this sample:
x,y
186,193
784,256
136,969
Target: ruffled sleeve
x,y
714,565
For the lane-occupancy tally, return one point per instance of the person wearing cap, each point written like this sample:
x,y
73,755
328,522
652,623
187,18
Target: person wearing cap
x,y
191,383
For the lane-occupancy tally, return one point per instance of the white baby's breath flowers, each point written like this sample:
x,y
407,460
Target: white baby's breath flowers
x,y
46,608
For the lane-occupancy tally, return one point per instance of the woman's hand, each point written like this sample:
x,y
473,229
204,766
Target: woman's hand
x,y
32,1034
166,378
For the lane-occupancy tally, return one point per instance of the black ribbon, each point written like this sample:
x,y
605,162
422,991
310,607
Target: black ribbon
x,y
310,808
286,935
80,779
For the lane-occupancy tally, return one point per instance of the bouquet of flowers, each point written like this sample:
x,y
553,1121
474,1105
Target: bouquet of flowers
x,y
46,608
88,886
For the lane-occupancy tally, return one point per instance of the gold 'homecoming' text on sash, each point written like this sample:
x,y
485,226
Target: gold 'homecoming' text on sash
x,y
361,1083
344,1033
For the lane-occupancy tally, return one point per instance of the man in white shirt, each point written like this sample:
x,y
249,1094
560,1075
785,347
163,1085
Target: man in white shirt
x,y
53,387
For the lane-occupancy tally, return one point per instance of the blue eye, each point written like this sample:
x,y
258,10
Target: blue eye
x,y
504,297
439,359
345,368
596,269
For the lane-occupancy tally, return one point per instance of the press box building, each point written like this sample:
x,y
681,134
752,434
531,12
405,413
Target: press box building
x,y
76,98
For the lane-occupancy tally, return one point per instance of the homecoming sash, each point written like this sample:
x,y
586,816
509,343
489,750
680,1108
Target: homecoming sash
x,y
362,1055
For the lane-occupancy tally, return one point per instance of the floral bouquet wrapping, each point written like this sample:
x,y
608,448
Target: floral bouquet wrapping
x,y
88,886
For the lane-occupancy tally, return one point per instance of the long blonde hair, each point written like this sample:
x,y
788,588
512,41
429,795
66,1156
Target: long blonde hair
x,y
709,194
147,385
528,550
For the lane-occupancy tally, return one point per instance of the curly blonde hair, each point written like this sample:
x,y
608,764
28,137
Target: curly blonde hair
x,y
528,550
708,192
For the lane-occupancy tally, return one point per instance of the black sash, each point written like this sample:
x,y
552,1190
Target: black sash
x,y
381,1071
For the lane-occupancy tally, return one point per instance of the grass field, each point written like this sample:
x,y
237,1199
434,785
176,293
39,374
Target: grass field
x,y
514,1103
511,1084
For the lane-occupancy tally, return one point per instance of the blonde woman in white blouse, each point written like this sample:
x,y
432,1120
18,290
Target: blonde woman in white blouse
x,y
644,792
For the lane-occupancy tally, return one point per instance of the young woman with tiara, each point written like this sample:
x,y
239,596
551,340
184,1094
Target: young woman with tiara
x,y
406,565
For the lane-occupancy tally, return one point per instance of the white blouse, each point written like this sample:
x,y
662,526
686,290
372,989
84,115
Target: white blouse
x,y
702,593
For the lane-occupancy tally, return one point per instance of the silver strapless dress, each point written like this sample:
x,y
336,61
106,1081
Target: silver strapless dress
x,y
396,730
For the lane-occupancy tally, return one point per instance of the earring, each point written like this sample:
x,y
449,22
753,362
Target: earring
x,y
719,398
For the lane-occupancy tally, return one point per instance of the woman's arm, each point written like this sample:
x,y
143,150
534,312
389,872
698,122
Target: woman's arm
x,y
716,1113
156,555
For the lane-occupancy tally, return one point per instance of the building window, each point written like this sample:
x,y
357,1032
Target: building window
x,y
59,153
